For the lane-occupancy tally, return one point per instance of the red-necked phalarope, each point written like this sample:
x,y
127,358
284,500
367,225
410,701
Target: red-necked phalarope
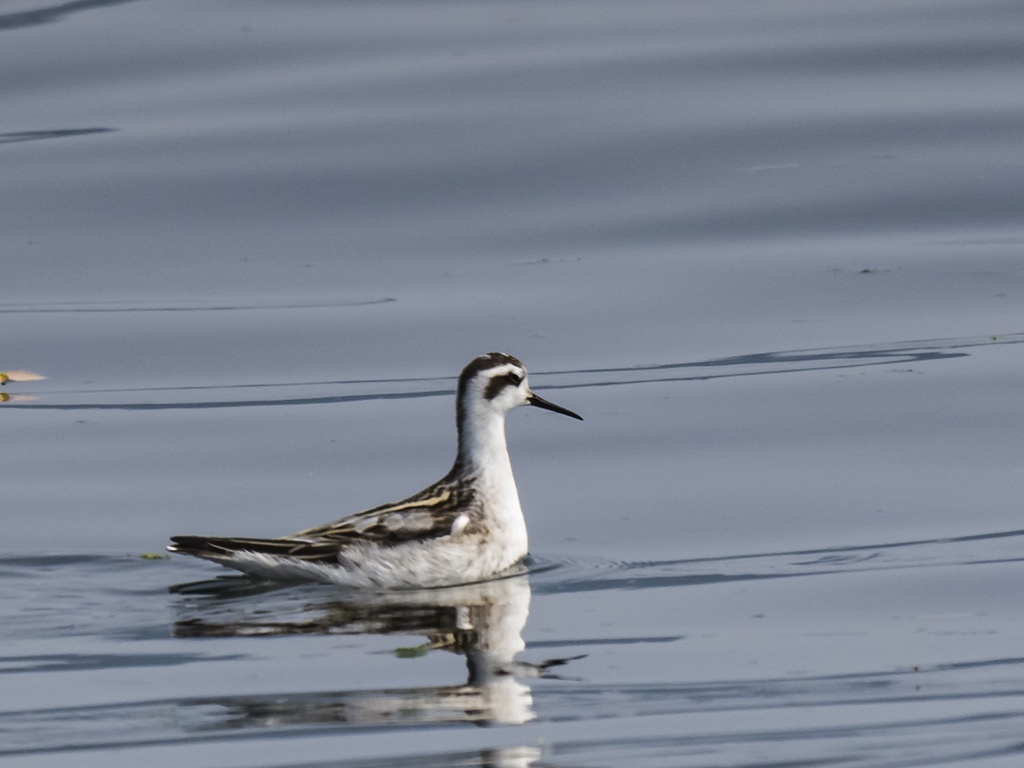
x,y
468,526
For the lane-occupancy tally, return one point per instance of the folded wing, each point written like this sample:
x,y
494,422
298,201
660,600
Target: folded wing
x,y
432,513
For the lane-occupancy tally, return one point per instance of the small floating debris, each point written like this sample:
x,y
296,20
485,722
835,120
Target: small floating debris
x,y
6,376
153,556
412,652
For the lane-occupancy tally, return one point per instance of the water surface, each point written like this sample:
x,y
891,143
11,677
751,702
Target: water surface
x,y
771,251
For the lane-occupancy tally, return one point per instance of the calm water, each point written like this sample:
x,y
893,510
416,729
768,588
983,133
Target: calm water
x,y
772,251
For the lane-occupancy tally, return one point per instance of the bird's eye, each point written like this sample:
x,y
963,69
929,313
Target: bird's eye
x,y
514,378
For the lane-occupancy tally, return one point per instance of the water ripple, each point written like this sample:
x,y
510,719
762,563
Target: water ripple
x,y
754,364
555,576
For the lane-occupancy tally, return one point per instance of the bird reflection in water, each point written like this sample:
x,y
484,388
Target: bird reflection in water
x,y
483,622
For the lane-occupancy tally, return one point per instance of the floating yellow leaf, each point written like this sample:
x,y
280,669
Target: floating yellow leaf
x,y
6,376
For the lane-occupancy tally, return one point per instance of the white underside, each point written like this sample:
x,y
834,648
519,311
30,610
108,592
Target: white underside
x,y
458,559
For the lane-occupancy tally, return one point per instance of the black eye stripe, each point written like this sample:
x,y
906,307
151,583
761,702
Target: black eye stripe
x,y
498,383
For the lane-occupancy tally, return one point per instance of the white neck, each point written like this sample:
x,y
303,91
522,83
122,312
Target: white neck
x,y
482,448
483,454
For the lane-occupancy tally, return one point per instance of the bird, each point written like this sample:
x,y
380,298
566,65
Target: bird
x,y
467,527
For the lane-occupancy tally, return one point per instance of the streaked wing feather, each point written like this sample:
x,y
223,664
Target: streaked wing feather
x,y
429,514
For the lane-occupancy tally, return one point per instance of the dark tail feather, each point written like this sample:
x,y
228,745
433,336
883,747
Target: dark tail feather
x,y
217,548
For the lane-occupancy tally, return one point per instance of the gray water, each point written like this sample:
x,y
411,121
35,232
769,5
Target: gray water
x,y
773,252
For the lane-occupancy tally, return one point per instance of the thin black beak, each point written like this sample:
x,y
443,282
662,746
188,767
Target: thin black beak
x,y
540,402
